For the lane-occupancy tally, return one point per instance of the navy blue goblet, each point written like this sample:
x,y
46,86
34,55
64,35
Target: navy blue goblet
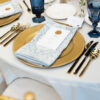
x,y
94,16
37,8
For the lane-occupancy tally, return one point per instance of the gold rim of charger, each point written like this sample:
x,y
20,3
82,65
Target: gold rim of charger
x,y
10,19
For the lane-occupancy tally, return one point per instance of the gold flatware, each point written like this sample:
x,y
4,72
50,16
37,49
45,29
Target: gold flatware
x,y
13,33
28,9
12,38
11,30
94,54
22,28
86,48
8,37
87,54
14,29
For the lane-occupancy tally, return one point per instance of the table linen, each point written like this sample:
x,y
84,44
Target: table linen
x,y
69,87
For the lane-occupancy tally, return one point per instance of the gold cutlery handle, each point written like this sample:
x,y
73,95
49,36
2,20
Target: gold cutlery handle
x,y
26,5
5,34
72,67
12,29
79,67
86,48
7,38
85,68
11,39
93,55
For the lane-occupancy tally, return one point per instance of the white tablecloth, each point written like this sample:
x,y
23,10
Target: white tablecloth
x,y
3,84
70,87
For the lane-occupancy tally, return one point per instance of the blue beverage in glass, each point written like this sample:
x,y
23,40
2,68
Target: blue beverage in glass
x,y
94,16
37,8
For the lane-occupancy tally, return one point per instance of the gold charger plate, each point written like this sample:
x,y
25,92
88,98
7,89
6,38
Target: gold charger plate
x,y
7,20
72,52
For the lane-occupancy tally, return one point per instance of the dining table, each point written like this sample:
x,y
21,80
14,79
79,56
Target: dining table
x,y
68,86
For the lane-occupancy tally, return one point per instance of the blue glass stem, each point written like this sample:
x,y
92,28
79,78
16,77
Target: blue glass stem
x,y
94,26
94,33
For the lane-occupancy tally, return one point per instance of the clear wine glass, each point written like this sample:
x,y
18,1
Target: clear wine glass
x,y
94,16
37,8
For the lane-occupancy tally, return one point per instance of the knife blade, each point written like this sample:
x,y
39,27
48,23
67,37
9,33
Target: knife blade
x,y
86,56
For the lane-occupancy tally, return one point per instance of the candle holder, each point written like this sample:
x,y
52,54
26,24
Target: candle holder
x,y
37,8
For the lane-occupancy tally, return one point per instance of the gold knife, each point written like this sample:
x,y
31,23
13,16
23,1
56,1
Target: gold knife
x,y
86,48
12,38
28,9
8,37
87,54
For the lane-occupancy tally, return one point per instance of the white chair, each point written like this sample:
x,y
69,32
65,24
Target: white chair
x,y
20,86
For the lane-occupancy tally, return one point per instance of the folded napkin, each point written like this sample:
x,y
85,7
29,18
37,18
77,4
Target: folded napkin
x,y
47,45
9,8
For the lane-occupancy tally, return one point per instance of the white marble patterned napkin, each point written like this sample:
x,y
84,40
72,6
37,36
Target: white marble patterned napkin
x,y
44,48
9,8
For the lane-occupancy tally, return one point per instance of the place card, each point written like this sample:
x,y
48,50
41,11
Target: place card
x,y
75,21
6,9
53,38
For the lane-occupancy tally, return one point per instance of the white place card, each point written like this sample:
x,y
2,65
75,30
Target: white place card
x,y
6,9
53,38
75,21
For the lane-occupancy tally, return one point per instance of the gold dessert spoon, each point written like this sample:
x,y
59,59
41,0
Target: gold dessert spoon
x,y
94,54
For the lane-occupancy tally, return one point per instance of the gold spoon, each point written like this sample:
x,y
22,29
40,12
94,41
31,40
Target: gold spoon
x,y
94,54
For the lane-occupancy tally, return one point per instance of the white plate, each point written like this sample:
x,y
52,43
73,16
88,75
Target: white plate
x,y
60,11
19,87
88,21
48,1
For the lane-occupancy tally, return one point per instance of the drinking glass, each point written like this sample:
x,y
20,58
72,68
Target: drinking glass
x,y
37,8
94,16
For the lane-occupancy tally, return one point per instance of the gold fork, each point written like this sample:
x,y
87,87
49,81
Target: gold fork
x,y
22,28
94,54
13,29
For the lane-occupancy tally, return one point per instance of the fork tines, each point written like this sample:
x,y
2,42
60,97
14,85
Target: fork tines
x,y
12,34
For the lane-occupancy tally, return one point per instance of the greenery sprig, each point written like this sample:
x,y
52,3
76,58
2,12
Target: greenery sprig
x,y
82,5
